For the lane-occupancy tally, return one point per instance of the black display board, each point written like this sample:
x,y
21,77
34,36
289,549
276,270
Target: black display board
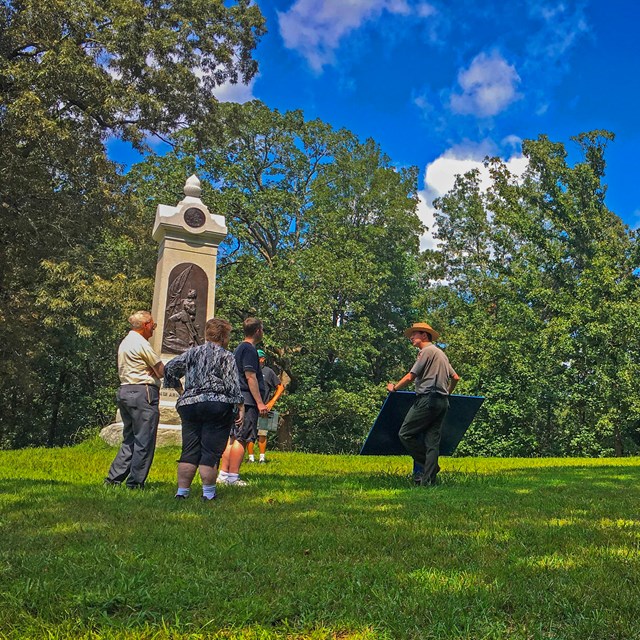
x,y
383,438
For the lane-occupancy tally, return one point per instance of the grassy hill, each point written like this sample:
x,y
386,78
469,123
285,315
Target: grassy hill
x,y
321,547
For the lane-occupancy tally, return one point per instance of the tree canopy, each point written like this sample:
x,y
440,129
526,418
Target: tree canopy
x,y
73,75
323,246
535,280
534,285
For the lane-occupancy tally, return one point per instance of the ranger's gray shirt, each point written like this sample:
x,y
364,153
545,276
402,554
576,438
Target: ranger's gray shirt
x,y
432,370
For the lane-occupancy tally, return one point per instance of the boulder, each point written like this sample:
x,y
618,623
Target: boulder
x,y
169,435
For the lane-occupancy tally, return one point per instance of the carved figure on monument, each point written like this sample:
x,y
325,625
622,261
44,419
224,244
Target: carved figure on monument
x,y
182,326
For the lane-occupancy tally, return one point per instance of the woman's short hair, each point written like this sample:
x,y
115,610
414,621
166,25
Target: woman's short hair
x,y
138,319
217,329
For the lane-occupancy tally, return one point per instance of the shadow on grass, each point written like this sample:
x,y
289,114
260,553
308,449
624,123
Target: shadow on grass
x,y
520,552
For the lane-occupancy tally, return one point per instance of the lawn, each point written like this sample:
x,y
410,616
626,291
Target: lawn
x,y
321,547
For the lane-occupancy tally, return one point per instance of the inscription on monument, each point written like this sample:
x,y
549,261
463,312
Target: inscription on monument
x,y
185,315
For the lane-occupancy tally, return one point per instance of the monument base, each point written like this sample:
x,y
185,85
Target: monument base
x,y
169,429
169,435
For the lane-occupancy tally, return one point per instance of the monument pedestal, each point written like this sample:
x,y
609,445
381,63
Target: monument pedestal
x,y
169,429
184,293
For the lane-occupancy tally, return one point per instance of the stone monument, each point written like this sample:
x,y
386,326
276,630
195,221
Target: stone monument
x,y
184,292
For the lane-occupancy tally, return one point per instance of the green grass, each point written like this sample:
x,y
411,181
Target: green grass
x,y
321,547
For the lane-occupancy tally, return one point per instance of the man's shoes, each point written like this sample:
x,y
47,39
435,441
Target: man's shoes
x,y
263,461
111,483
205,499
179,497
138,486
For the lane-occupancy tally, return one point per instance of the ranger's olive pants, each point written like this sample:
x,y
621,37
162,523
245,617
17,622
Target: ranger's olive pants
x,y
420,432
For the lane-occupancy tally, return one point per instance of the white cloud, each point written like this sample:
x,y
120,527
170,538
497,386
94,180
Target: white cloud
x,y
238,92
563,25
315,27
488,86
426,214
425,10
440,176
542,109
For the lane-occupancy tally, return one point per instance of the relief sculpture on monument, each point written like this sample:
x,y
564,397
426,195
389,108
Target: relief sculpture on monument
x,y
186,308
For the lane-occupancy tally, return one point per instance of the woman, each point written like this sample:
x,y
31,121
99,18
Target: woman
x,y
206,406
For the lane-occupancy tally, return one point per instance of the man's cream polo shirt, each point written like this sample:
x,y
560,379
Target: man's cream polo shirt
x,y
135,355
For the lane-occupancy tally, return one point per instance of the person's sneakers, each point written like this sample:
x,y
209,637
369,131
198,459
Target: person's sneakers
x,y
263,461
205,499
138,485
232,483
111,483
179,497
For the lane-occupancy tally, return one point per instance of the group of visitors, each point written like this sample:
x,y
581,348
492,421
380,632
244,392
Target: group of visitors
x,y
223,397
225,394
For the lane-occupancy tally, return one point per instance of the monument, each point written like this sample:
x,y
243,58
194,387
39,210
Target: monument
x,y
184,294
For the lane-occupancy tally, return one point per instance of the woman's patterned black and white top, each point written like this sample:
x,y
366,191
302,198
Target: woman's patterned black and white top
x,y
210,372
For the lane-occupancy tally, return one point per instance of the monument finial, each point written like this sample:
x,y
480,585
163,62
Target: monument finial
x,y
192,187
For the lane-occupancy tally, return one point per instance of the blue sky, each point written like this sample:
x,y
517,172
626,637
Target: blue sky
x,y
442,84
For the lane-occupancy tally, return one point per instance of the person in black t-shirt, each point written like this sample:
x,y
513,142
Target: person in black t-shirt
x,y
252,387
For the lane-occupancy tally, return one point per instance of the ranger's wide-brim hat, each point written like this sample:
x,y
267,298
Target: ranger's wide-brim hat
x,y
422,326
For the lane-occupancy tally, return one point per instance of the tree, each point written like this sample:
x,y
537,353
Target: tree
x,y
323,246
74,74
536,281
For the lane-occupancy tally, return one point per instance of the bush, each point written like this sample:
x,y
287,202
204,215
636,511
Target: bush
x,y
334,421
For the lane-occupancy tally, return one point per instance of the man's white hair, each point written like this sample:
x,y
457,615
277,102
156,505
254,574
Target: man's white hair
x,y
139,318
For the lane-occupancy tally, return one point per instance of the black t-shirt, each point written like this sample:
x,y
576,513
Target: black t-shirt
x,y
246,356
271,382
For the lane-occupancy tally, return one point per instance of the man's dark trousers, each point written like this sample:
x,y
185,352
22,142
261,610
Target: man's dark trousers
x,y
139,408
420,432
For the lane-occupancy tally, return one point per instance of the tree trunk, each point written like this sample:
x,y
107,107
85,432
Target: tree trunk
x,y
285,439
57,401
617,442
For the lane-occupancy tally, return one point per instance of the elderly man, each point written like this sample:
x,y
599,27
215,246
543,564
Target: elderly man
x,y
140,370
434,380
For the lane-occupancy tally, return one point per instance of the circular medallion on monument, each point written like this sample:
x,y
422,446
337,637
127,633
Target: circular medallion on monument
x,y
194,217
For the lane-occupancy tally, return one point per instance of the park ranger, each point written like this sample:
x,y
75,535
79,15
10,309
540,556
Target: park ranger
x,y
435,380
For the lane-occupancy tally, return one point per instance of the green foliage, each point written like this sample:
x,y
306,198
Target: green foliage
x,y
333,421
539,294
73,75
320,548
322,245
